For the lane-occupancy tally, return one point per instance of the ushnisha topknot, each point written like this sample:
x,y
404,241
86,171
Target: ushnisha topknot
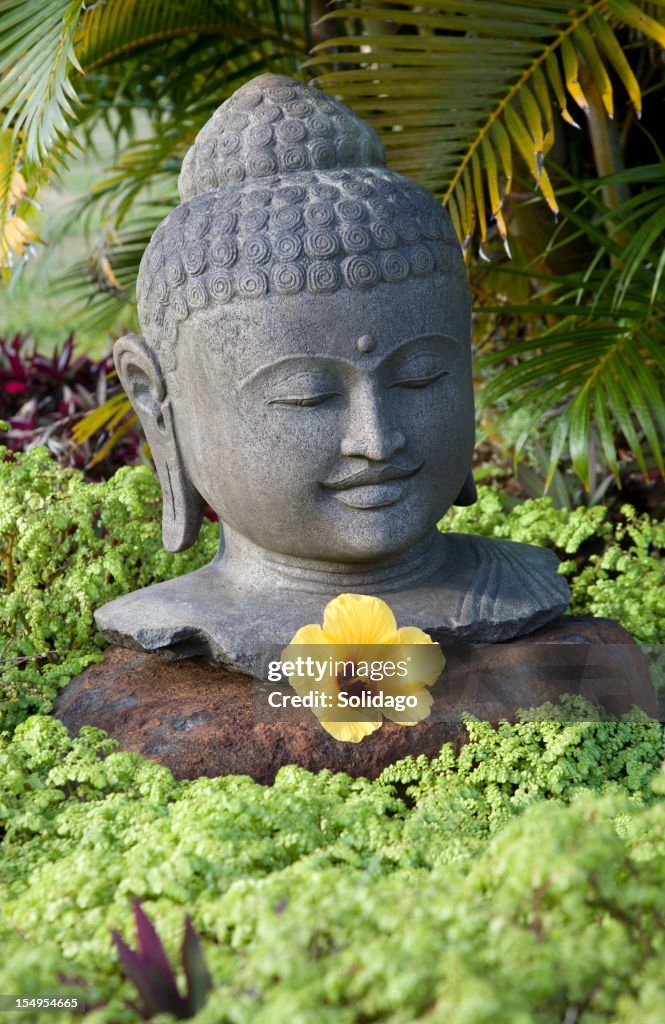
x,y
276,125
285,190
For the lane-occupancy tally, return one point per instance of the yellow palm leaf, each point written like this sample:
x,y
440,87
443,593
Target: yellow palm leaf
x,y
105,416
15,234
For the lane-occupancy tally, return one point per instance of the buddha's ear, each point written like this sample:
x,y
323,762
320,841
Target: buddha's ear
x,y
468,495
142,378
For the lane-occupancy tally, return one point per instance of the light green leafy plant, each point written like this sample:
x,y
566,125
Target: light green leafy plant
x,y
65,548
537,849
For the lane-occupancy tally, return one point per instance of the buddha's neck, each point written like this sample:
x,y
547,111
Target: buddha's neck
x,y
249,566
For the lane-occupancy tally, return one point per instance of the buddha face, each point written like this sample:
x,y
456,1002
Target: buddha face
x,y
331,427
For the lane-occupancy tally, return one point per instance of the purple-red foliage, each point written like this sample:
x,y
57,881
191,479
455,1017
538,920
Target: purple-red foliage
x,y
42,396
150,971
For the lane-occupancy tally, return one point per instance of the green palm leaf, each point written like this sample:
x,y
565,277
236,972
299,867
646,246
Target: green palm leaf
x,y
16,236
455,89
37,56
65,64
603,360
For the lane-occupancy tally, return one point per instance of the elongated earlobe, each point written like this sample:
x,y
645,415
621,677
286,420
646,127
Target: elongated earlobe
x,y
468,495
142,378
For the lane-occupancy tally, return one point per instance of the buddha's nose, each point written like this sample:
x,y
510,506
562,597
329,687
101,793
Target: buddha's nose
x,y
371,432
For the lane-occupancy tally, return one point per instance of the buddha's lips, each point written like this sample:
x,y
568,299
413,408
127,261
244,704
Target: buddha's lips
x,y
373,475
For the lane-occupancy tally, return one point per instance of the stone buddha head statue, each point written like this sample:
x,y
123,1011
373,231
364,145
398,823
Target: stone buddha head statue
x,y
305,360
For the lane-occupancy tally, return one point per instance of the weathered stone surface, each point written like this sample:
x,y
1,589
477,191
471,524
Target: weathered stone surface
x,y
484,591
198,719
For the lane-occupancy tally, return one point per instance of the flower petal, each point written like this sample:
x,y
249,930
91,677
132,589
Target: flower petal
x,y
424,659
352,732
312,634
359,619
412,635
411,716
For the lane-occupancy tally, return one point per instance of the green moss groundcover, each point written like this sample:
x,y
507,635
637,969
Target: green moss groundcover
x,y
522,880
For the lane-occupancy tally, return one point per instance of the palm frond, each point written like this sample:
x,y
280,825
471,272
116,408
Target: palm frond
x,y
147,162
110,32
150,165
36,97
37,55
456,90
135,54
100,290
601,365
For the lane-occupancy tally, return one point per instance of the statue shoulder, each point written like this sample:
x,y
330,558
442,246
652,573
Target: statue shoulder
x,y
501,588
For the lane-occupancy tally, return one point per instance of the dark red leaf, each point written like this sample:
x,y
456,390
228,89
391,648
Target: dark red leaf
x,y
158,994
199,982
150,944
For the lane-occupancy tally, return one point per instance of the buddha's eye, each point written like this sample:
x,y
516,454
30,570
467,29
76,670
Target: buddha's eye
x,y
305,401
419,378
303,389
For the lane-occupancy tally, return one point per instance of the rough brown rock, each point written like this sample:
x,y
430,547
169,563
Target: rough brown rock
x,y
198,719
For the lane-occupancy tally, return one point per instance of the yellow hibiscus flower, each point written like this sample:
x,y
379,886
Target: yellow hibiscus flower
x,y
365,667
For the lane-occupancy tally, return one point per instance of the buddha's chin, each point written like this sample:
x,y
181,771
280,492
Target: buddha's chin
x,y
366,534
374,535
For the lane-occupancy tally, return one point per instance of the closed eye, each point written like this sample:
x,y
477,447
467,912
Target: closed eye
x,y
420,382
305,401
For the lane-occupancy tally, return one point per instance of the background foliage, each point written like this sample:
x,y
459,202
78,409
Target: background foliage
x,y
43,397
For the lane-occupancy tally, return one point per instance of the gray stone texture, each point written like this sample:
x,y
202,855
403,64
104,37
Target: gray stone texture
x,y
305,369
